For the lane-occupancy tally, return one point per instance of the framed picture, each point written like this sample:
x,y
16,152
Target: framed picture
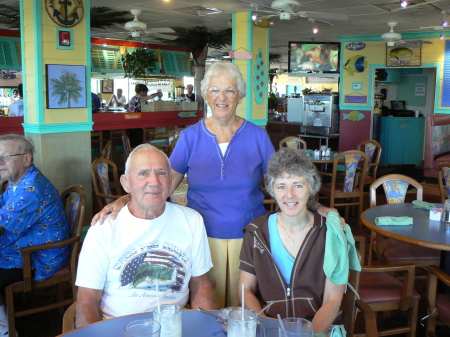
x,y
66,86
107,86
398,105
406,56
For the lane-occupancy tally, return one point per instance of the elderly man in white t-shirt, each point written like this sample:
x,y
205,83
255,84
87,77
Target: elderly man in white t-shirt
x,y
151,242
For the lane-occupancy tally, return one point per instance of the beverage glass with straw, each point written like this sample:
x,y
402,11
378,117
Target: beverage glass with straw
x,y
295,327
169,316
243,322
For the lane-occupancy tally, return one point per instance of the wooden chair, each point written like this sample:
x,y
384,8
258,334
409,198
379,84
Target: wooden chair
x,y
106,153
96,143
69,318
102,170
383,292
126,145
373,150
174,135
444,180
347,188
179,196
293,143
74,198
391,251
438,305
351,303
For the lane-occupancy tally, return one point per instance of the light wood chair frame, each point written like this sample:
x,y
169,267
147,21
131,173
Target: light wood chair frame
x,y
100,196
283,142
66,274
434,274
442,187
356,196
378,238
372,167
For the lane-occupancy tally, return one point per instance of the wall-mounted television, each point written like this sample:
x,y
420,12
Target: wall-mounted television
x,y
314,57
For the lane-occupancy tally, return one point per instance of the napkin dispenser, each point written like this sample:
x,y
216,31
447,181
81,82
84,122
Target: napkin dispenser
x,y
435,214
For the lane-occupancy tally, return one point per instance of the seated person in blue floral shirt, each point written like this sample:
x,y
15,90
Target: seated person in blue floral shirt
x,y
31,213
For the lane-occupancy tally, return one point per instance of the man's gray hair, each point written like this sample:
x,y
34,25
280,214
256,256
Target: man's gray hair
x,y
294,162
233,72
25,145
145,146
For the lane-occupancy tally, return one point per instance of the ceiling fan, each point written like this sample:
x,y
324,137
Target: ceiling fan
x,y
217,55
394,39
136,28
287,9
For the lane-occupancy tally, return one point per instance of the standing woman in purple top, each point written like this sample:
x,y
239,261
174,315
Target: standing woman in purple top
x,y
225,158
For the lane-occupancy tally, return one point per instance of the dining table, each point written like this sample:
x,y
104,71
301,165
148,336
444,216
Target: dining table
x,y
421,232
194,324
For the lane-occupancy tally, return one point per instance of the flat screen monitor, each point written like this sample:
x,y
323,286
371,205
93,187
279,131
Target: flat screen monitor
x,y
314,57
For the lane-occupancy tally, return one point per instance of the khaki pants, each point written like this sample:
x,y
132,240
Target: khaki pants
x,y
224,275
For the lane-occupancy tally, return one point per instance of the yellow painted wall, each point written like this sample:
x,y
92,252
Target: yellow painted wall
x,y
375,53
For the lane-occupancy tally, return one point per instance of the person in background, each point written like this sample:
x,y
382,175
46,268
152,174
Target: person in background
x,y
95,102
100,97
283,253
16,109
190,94
31,213
15,97
118,100
141,96
151,243
224,157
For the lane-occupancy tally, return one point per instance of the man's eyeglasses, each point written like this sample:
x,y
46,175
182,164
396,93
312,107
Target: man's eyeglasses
x,y
229,92
7,157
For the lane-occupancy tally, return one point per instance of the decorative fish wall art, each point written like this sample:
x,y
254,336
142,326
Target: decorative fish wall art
x,y
404,56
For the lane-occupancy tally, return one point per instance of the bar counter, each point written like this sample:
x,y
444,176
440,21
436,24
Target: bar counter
x,y
11,125
120,120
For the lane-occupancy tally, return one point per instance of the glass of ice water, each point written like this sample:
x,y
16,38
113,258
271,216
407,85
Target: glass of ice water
x,y
169,316
296,327
143,327
244,325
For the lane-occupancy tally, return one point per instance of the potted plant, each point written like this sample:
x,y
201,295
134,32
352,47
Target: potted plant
x,y
271,98
139,63
306,91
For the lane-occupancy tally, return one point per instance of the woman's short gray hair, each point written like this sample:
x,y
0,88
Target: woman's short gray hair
x,y
233,72
294,162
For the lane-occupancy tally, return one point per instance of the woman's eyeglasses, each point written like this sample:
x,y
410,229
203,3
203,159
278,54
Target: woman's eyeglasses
x,y
7,157
229,92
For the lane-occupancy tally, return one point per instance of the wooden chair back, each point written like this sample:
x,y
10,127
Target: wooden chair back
x,y
106,153
105,180
293,143
444,181
373,150
69,318
74,199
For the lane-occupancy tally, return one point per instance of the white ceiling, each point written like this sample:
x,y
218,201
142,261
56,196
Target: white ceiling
x,y
366,17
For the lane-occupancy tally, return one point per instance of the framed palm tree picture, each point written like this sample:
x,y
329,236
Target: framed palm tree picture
x,y
66,86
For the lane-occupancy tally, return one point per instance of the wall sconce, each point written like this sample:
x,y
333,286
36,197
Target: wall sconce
x,y
441,37
403,3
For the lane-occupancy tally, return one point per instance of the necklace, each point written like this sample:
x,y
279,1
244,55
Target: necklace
x,y
287,233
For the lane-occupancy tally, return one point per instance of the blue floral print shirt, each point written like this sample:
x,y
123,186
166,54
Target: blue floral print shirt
x,y
32,213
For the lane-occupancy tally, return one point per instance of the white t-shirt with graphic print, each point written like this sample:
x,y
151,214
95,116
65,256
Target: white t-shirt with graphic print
x,y
128,256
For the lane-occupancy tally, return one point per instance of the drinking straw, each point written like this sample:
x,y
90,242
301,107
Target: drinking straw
x,y
282,325
243,299
157,297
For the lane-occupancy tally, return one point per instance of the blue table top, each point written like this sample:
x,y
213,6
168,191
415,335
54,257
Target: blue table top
x,y
423,232
195,324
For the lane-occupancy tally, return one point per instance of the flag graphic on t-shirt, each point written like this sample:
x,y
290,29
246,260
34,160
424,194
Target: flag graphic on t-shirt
x,y
153,266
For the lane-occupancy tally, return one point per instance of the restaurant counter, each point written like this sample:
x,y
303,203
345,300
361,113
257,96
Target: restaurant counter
x,y
120,120
130,120
11,125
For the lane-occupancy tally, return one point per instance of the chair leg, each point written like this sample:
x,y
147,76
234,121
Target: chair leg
x,y
412,319
10,312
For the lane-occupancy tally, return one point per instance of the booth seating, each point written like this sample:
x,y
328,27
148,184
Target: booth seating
x,y
437,143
